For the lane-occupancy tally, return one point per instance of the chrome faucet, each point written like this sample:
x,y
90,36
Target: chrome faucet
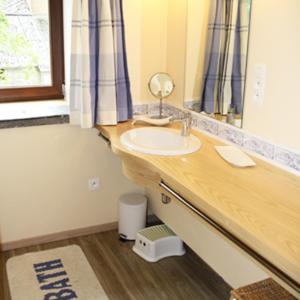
x,y
186,124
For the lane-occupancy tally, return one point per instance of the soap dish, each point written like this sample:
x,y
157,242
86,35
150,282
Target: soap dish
x,y
235,156
152,121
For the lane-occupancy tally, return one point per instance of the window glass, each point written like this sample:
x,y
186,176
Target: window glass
x,y
25,59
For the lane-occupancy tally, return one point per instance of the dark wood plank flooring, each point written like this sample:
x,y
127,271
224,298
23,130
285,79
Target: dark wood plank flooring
x,y
124,275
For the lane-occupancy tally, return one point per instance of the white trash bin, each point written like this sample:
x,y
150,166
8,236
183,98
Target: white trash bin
x,y
132,215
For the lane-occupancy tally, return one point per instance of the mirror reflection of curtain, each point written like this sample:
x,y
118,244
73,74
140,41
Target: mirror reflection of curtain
x,y
225,67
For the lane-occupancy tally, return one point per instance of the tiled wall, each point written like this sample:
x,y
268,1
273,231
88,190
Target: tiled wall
x,y
278,155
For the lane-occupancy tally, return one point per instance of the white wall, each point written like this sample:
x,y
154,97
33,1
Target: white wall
x,y
43,181
275,42
155,40
196,35
146,41
44,172
175,55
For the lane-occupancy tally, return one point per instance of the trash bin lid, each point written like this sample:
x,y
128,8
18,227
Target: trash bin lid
x,y
133,199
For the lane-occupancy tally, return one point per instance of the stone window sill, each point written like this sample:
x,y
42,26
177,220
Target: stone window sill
x,y
33,113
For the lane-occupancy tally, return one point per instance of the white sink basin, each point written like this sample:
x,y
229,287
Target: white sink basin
x,y
159,141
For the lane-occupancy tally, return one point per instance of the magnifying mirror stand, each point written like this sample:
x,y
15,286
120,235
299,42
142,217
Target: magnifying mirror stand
x,y
160,115
160,108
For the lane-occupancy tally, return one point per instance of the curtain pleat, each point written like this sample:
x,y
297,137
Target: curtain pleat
x,y
100,88
225,67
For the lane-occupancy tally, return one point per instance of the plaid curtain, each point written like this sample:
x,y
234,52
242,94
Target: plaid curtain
x,y
100,88
224,78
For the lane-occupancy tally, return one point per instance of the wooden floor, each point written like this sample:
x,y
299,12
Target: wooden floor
x,y
124,275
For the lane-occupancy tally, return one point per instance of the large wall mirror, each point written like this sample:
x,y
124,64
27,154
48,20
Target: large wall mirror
x,y
216,58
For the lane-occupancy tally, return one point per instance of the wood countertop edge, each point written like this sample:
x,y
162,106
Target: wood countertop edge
x,y
240,231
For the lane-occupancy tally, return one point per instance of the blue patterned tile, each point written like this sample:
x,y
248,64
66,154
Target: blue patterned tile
x,y
287,158
140,109
259,146
174,111
231,134
153,109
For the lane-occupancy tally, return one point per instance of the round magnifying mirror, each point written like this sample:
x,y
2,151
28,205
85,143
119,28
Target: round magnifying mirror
x,y
161,86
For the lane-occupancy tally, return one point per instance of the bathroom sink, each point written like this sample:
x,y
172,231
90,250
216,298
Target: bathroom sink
x,y
159,141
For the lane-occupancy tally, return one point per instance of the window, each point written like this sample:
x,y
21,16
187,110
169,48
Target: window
x,y
31,50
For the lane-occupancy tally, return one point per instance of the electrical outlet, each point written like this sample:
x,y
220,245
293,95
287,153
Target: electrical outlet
x,y
94,184
260,71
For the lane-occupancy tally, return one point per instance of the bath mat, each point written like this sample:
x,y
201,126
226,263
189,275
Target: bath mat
x,y
61,273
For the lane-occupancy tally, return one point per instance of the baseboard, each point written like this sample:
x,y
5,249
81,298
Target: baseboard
x,y
57,236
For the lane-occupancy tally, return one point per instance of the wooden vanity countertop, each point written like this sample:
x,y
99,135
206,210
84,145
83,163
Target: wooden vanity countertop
x,y
259,205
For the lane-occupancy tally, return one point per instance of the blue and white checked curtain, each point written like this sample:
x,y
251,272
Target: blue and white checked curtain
x,y
224,78
99,90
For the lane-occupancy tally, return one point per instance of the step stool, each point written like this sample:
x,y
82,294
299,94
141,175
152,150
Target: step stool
x,y
157,242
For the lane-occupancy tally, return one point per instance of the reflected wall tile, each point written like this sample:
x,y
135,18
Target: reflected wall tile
x,y
208,125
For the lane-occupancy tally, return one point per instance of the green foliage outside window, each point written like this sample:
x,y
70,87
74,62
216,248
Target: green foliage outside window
x,y
16,45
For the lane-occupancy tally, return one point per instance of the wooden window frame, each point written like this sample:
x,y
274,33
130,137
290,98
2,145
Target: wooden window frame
x,y
55,91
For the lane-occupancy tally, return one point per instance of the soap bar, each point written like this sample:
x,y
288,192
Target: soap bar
x,y
235,156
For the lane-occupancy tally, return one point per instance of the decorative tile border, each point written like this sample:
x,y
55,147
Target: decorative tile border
x,y
206,125
259,146
287,158
140,109
230,135
275,154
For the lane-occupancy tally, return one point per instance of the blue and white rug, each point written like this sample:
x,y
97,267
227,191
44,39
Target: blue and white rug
x,y
61,273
